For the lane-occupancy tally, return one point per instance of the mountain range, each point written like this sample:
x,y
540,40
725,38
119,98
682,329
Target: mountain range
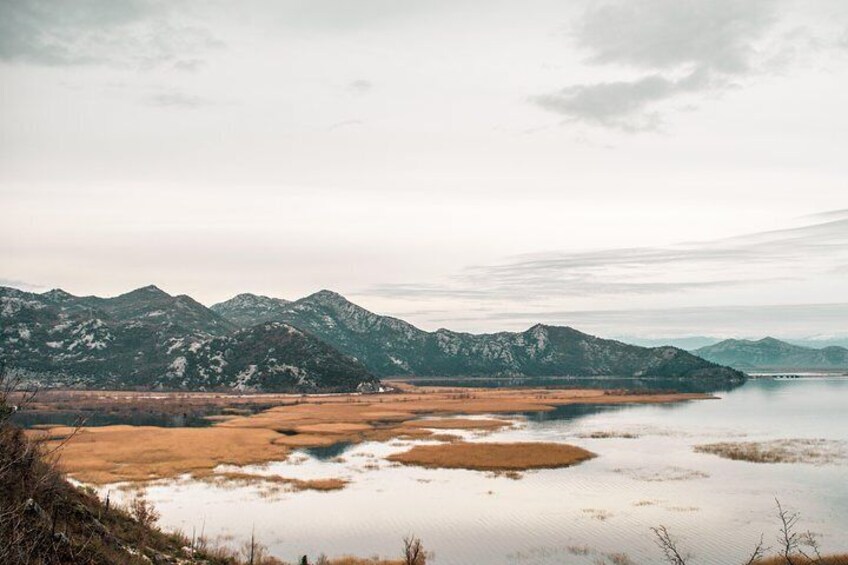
x,y
149,339
391,347
771,353
323,342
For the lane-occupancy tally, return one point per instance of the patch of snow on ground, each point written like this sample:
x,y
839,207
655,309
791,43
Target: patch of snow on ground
x,y
177,367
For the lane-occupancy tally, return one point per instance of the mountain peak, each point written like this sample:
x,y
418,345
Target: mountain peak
x,y
246,296
770,340
57,295
150,289
325,295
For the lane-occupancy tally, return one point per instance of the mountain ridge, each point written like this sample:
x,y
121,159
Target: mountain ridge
x,y
390,346
772,353
147,338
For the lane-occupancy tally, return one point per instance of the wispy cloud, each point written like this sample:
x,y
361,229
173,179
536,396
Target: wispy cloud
x,y
758,258
360,86
778,320
176,100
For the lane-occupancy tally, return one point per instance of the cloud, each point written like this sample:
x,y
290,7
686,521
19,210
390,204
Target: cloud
x,y
779,320
667,34
360,86
189,65
132,33
176,100
622,104
766,257
684,46
22,285
345,124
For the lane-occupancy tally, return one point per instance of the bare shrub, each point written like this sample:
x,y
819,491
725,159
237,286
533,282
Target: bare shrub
x,y
668,545
413,551
143,511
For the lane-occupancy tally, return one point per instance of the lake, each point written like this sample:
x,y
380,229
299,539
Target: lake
x,y
716,508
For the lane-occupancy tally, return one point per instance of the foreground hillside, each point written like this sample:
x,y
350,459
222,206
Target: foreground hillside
x,y
149,339
45,520
770,353
389,346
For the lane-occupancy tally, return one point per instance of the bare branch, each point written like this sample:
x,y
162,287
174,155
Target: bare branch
x,y
668,545
787,538
758,553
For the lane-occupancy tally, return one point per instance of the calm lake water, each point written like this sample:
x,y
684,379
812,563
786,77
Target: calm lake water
x,y
717,508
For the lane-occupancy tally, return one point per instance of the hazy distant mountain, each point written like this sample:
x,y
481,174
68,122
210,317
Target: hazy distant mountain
x,y
688,343
141,338
250,309
770,353
820,342
388,346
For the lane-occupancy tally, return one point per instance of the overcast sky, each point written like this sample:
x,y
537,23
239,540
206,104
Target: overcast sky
x,y
638,167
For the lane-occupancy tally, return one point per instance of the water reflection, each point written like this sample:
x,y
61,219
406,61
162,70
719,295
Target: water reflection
x,y
328,452
637,384
573,412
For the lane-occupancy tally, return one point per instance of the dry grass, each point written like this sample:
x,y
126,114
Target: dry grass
x,y
841,559
609,435
620,559
447,438
813,451
663,474
458,424
597,514
493,456
126,453
360,561
270,481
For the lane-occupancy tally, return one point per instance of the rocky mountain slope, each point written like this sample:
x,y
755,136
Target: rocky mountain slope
x,y
770,353
271,356
250,309
144,337
388,346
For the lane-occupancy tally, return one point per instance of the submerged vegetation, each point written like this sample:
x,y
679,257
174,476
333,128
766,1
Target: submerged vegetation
x,y
813,451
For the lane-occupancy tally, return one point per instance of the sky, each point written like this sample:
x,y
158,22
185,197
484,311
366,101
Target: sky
x,y
646,168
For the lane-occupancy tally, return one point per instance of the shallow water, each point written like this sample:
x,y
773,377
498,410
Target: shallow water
x,y
717,508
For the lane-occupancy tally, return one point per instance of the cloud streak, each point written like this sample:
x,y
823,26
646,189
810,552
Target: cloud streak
x,y
176,100
779,320
767,257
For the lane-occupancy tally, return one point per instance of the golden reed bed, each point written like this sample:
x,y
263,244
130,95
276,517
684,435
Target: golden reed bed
x,y
110,454
493,456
